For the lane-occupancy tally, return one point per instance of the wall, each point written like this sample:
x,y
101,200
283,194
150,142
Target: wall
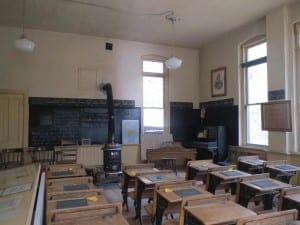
x,y
52,69
72,66
278,28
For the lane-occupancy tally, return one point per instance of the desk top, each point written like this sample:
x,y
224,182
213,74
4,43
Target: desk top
x,y
133,172
230,174
253,162
158,177
203,166
66,187
177,194
267,184
219,212
284,168
112,219
18,189
67,171
293,197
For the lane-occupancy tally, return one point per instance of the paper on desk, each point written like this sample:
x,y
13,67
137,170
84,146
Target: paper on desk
x,y
16,189
92,198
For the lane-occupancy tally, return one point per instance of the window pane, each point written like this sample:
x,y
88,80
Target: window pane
x,y
153,92
255,135
153,67
257,51
257,83
153,120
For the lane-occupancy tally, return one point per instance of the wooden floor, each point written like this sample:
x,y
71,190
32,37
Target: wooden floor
x,y
112,193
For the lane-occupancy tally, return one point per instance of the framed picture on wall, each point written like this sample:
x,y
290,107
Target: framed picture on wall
x,y
218,82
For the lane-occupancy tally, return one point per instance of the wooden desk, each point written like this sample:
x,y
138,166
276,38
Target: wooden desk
x,y
282,172
129,176
68,189
216,213
17,207
199,168
147,181
171,152
222,177
65,170
174,196
267,188
252,166
291,201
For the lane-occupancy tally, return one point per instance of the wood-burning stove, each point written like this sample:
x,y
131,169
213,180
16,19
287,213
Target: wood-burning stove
x,y
111,150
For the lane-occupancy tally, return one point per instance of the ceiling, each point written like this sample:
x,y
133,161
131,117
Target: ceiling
x,y
200,21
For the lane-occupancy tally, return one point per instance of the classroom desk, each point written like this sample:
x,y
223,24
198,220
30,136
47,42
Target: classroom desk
x,y
291,201
65,170
253,166
68,188
267,188
129,176
18,191
83,199
175,196
215,213
148,181
200,168
282,172
225,177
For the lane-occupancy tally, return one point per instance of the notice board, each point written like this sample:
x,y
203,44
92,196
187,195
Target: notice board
x,y
276,116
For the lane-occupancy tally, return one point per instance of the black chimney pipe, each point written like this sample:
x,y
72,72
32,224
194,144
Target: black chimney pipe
x,y
111,117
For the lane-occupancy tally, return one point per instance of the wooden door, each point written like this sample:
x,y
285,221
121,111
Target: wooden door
x,y
13,118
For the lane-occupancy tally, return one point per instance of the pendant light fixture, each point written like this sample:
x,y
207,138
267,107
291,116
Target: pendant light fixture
x,y
173,62
24,44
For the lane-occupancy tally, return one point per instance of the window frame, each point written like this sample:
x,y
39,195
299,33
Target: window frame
x,y
166,108
244,103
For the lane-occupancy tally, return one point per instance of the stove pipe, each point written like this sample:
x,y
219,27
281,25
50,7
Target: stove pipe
x,y
111,117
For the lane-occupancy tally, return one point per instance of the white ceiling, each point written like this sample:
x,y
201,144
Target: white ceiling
x,y
200,20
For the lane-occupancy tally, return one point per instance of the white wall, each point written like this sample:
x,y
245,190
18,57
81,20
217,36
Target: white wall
x,y
278,28
52,69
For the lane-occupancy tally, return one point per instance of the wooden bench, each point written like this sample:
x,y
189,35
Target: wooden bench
x,y
273,218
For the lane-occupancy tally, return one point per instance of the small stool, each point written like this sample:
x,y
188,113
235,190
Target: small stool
x,y
168,163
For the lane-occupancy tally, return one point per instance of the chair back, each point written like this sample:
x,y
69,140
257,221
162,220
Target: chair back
x,y
274,218
66,154
42,155
12,157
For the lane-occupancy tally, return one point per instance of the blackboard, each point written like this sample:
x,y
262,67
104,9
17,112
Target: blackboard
x,y
50,123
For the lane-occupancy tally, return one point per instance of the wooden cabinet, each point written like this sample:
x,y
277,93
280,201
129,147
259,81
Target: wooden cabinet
x,y
13,118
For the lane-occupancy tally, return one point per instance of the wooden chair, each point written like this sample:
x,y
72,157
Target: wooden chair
x,y
43,155
172,208
68,142
221,168
131,182
66,154
98,215
252,170
287,191
274,218
12,157
256,199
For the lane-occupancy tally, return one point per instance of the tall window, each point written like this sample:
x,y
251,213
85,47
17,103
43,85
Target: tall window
x,y
153,96
256,91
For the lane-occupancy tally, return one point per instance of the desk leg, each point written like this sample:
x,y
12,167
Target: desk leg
x,y
125,190
138,200
190,220
268,201
161,206
245,195
214,181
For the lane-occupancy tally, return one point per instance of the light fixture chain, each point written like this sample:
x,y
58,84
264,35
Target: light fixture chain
x,y
23,15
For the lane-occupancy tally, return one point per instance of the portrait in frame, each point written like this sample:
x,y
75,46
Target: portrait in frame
x,y
218,82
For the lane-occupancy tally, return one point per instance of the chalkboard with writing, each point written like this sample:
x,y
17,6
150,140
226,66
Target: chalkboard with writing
x,y
53,121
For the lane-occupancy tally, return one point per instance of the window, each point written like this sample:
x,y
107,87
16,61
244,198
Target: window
x,y
256,91
153,96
